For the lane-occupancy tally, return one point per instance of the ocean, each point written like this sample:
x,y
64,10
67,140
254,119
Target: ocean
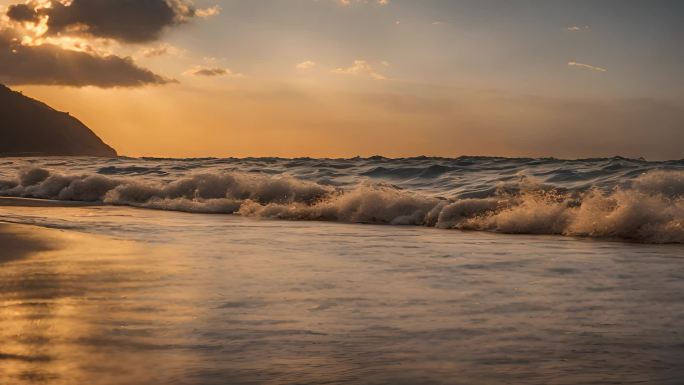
x,y
471,270
613,198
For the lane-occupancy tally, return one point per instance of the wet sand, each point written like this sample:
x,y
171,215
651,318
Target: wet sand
x,y
55,288
18,241
29,202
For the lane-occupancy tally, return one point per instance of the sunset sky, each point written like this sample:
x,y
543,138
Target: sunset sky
x,y
340,78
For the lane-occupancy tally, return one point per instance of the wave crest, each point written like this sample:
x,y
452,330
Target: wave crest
x,y
650,208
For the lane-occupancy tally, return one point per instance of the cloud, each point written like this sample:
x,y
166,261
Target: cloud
x,y
161,50
575,28
360,67
208,12
305,65
21,13
212,71
131,21
51,65
70,42
350,2
586,66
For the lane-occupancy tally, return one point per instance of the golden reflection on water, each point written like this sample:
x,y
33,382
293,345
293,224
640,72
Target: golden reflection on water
x,y
66,318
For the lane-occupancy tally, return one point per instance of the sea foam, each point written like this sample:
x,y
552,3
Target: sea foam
x,y
646,208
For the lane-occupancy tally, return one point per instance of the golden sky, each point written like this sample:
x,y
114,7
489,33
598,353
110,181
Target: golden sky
x,y
334,78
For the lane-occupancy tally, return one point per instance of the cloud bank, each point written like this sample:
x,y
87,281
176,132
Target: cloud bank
x,y
51,65
51,41
131,21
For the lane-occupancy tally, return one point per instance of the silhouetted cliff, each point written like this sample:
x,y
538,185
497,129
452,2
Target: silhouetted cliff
x,y
29,127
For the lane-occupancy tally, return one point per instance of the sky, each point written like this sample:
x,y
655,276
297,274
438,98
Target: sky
x,y
344,78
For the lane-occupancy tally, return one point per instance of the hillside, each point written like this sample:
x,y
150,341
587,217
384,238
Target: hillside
x,y
32,128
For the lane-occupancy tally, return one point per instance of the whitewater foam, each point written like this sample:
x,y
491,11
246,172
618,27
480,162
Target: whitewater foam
x,y
615,198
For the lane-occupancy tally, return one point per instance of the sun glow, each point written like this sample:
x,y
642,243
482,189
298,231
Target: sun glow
x,y
35,33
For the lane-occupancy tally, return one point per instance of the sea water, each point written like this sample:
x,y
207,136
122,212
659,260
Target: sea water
x,y
600,198
187,295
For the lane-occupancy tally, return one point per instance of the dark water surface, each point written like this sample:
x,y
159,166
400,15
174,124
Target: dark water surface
x,y
138,297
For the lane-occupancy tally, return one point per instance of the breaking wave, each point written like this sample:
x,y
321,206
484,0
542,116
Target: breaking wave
x,y
647,208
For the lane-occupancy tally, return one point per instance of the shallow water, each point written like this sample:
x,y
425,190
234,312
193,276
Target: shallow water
x,y
613,198
160,297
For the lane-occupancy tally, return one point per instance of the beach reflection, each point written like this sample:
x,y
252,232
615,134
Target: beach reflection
x,y
171,298
89,312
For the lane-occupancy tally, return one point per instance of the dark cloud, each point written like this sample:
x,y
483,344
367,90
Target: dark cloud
x,y
51,65
21,13
132,21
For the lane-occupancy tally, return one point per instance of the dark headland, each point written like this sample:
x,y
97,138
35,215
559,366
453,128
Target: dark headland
x,y
32,128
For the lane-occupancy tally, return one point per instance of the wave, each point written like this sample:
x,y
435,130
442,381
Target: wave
x,y
650,208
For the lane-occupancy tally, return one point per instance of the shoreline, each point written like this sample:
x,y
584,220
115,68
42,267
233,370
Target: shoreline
x,y
21,241
32,202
